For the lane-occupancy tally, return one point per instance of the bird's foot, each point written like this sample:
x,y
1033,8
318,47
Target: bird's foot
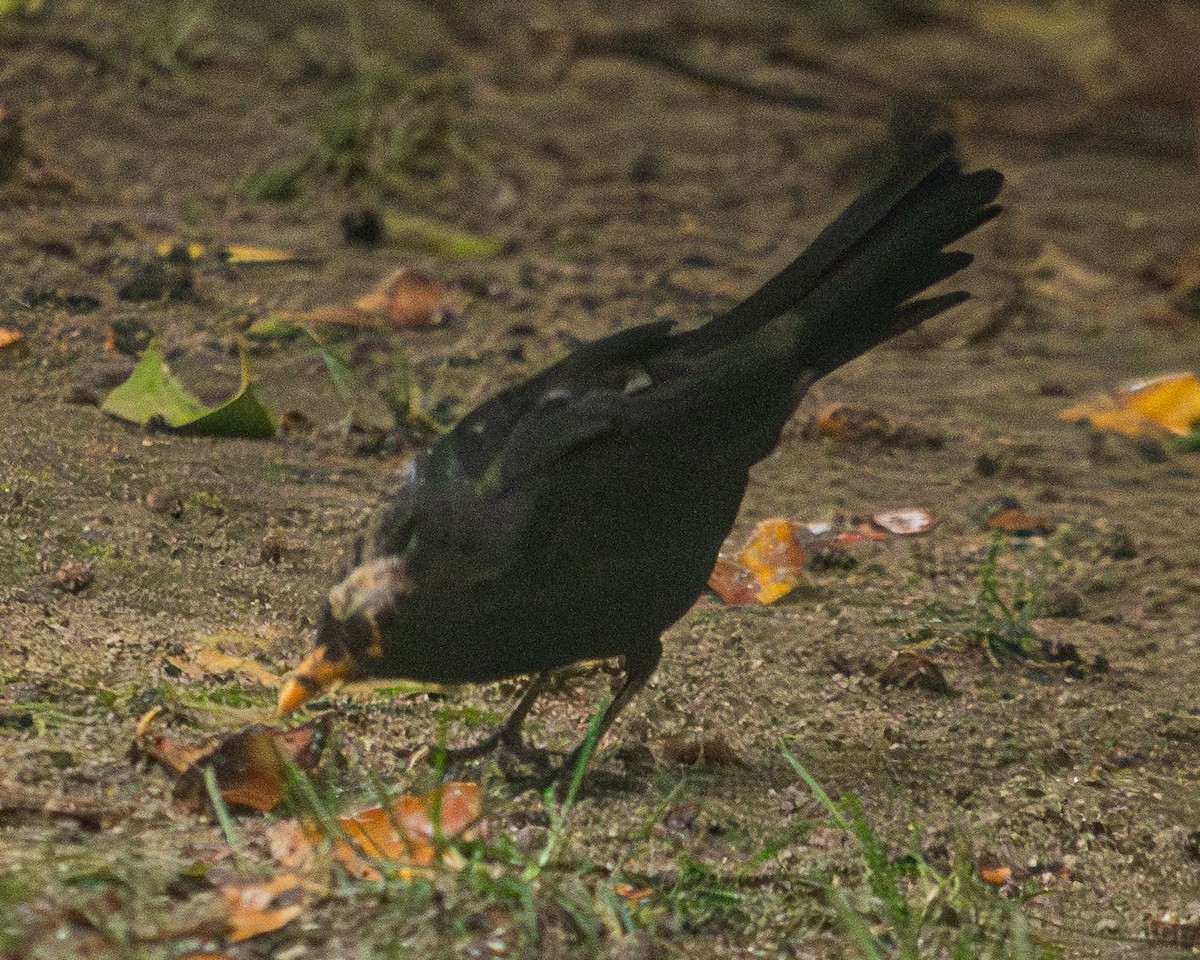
x,y
509,742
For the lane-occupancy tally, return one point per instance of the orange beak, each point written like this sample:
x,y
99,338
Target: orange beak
x,y
317,673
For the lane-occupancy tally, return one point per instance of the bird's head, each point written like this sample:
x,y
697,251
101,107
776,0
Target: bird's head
x,y
351,634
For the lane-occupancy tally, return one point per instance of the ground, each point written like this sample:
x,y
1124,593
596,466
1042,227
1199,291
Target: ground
x,y
608,168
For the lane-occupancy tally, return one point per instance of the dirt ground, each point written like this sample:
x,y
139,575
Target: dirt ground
x,y
629,164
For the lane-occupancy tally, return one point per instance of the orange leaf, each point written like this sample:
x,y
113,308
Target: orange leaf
x,y
992,870
1149,408
9,337
262,907
765,569
408,298
404,832
1016,520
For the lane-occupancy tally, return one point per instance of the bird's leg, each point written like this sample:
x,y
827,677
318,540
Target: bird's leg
x,y
508,733
639,667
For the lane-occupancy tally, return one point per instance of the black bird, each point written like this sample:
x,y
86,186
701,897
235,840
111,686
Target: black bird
x,y
577,515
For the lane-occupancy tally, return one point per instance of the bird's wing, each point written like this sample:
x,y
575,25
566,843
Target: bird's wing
x,y
466,501
472,451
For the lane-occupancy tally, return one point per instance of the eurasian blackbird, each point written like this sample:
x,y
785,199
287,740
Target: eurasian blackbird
x,y
577,515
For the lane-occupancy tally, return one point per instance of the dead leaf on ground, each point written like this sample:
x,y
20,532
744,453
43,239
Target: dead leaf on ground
x,y
290,846
1161,406
993,870
405,833
767,568
1016,521
255,909
248,764
205,662
1058,276
911,668
852,422
1170,928
10,337
408,298
74,576
905,522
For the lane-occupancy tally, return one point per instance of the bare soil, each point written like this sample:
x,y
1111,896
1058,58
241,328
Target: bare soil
x,y
632,181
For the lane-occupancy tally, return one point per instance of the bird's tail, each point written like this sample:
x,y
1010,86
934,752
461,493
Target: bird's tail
x,y
857,284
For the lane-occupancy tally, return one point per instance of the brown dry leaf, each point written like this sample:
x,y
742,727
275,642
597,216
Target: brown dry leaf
x,y
291,846
260,908
1017,521
337,314
1163,405
695,751
9,337
849,421
993,870
912,668
405,832
207,661
733,583
407,299
1170,928
631,894
766,568
249,764
170,752
74,576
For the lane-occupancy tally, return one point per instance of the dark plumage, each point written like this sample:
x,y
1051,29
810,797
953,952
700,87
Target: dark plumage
x,y
578,515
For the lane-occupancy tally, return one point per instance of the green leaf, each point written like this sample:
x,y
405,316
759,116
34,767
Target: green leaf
x,y
273,327
440,239
152,391
1186,444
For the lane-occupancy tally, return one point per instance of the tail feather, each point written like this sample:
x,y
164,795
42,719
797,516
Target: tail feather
x,y
850,289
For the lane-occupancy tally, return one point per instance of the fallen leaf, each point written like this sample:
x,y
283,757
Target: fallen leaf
x,y
767,568
1170,928
1058,276
1162,406
259,908
10,337
153,393
290,846
849,421
248,764
407,299
439,239
207,661
905,522
404,833
912,668
631,894
242,255
1016,521
74,576
992,870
